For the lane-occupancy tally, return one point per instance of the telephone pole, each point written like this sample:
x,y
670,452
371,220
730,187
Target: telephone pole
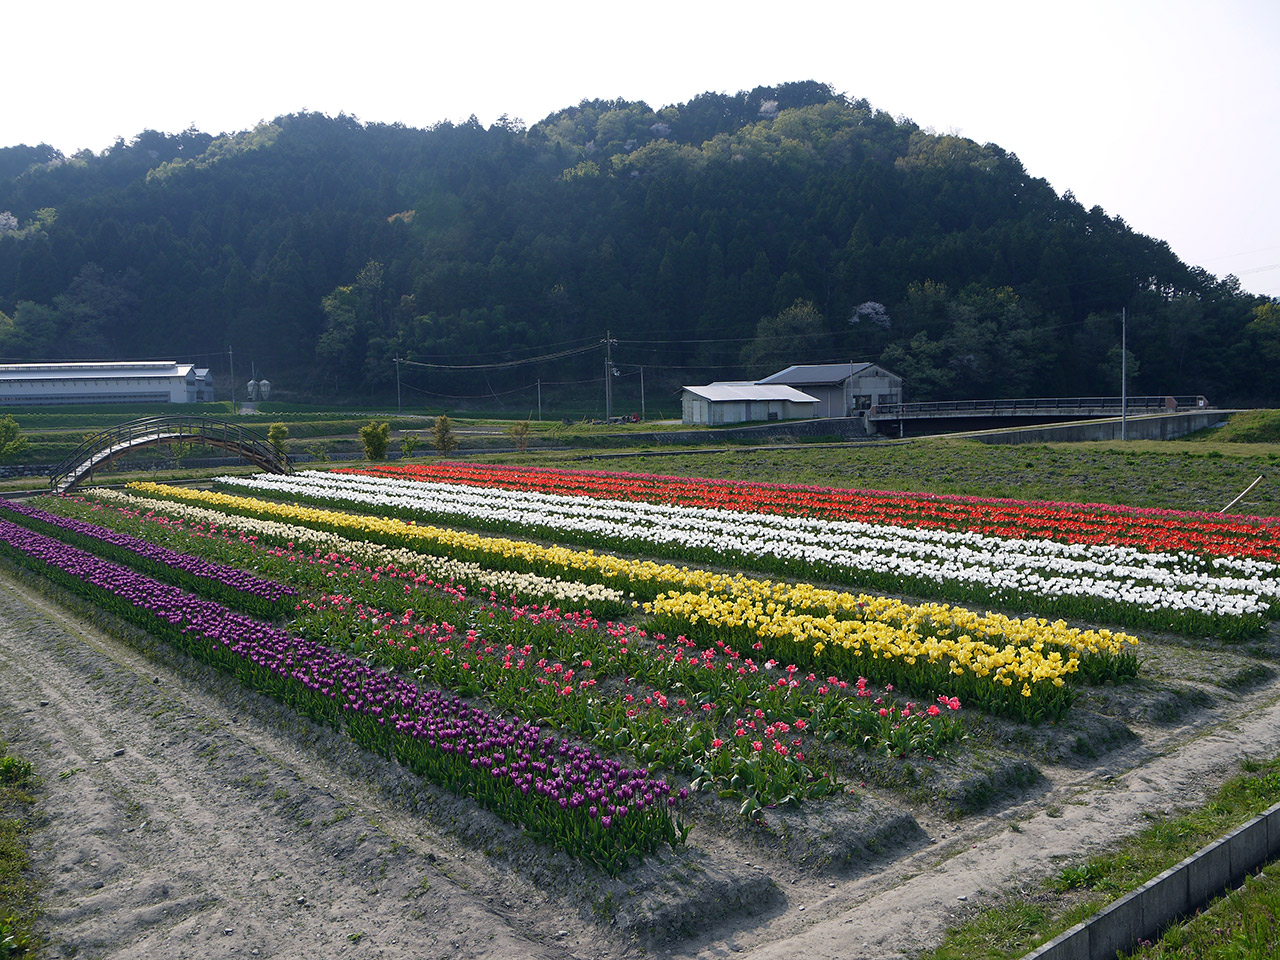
x,y
608,377
1124,373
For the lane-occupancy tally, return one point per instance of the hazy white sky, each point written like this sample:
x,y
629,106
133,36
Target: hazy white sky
x,y
1163,112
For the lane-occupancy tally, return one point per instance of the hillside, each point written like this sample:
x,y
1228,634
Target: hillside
x,y
710,239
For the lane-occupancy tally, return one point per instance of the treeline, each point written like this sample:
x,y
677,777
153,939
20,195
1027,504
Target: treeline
x,y
711,239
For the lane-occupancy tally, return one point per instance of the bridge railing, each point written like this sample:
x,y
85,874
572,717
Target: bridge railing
x,y
106,445
1062,406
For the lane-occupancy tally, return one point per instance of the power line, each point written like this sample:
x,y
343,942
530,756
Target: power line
x,y
506,364
502,393
562,344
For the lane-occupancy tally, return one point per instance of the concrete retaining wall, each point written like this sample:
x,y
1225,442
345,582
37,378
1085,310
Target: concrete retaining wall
x,y
1173,895
1159,426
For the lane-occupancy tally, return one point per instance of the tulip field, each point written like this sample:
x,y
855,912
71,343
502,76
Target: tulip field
x,y
594,656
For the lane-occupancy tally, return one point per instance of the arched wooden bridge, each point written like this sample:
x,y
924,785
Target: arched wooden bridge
x,y
99,450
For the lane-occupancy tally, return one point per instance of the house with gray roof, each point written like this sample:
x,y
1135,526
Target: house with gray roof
x,y
842,389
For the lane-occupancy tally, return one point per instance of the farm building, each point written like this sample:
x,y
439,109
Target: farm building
x,y
740,401
843,389
25,384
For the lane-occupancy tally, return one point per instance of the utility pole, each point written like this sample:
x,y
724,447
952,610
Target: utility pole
x,y
1124,373
608,377
398,409
232,359
539,399
642,391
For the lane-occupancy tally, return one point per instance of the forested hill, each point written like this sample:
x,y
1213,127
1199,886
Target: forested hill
x,y
721,237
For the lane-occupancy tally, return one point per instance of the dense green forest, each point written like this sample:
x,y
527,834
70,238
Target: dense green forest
x,y
715,239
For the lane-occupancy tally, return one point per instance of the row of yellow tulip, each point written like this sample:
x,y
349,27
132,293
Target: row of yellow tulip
x,y
996,657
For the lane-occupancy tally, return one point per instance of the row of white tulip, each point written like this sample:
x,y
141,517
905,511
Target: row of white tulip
x,y
998,567
506,582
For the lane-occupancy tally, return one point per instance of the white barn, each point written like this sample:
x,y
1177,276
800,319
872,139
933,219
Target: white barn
x,y
741,401
28,384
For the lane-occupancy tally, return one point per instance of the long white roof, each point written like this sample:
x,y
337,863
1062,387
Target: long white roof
x,y
749,390
106,370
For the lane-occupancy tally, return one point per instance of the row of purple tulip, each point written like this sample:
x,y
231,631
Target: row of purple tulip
x,y
562,793
231,585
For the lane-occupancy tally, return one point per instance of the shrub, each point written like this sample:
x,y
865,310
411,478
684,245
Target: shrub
x,y
12,442
376,437
520,434
277,434
442,436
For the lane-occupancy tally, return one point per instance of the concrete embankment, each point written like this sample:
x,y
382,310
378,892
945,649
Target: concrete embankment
x,y
1159,426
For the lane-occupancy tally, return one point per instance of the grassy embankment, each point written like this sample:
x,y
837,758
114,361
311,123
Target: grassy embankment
x,y
18,902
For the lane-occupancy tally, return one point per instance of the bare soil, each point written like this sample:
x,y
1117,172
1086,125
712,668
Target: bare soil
x,y
182,817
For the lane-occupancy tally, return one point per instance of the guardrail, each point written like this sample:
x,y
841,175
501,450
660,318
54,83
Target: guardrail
x,y
1039,406
100,449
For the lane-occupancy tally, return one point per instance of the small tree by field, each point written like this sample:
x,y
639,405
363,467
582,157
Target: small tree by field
x,y
520,434
181,451
376,437
12,442
409,443
277,434
442,436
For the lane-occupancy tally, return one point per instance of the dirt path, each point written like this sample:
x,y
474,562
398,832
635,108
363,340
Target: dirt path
x,y
184,818
179,826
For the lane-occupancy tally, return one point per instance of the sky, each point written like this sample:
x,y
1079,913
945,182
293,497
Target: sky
x,y
1165,113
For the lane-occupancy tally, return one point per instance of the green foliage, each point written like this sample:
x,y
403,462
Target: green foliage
x,y
676,223
277,434
519,432
12,442
793,332
19,903
443,439
376,437
15,771
1252,426
409,443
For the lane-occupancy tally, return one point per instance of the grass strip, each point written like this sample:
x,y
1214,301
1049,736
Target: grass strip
x,y
1024,921
19,905
1242,925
